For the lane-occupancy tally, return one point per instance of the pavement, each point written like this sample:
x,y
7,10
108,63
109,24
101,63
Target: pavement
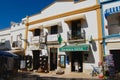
x,y
25,75
53,76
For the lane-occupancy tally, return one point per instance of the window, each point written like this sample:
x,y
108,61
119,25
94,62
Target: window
x,y
17,44
62,61
54,29
37,32
113,24
23,22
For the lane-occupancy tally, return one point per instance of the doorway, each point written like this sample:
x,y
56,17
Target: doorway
x,y
53,59
116,59
36,60
77,57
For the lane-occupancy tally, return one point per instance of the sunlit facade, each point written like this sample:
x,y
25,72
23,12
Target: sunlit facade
x,y
66,32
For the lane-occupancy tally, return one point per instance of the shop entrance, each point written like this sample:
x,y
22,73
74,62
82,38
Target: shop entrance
x,y
116,59
77,62
53,58
36,63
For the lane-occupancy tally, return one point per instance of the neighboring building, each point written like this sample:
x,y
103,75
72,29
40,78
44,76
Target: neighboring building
x,y
66,32
12,39
5,39
17,33
111,30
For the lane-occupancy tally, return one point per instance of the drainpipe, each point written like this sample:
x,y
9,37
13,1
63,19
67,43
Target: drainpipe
x,y
26,35
103,30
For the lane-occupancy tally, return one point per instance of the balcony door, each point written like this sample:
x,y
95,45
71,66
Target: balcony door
x,y
53,58
37,32
36,63
54,29
76,29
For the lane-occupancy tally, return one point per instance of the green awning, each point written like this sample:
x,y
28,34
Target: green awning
x,y
75,47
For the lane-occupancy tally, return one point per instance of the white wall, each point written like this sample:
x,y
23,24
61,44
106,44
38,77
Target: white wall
x,y
17,29
5,34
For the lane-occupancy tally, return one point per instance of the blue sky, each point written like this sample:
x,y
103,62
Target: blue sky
x,y
15,10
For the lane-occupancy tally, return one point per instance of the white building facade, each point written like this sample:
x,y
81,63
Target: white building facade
x,y
12,39
17,34
66,32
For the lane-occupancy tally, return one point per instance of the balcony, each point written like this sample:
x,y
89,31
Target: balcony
x,y
35,47
53,38
37,39
75,38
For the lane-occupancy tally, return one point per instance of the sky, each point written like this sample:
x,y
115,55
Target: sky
x,y
15,10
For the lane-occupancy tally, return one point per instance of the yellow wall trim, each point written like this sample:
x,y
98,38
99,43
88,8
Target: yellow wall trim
x,y
66,14
26,35
99,34
97,1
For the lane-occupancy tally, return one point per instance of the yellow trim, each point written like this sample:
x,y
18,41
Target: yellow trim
x,y
99,33
78,17
97,1
36,27
65,14
26,35
32,29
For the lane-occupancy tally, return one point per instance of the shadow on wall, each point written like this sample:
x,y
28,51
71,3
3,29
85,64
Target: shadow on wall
x,y
90,57
94,47
5,46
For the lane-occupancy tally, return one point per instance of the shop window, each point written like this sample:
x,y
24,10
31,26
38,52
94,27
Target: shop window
x,y
62,61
